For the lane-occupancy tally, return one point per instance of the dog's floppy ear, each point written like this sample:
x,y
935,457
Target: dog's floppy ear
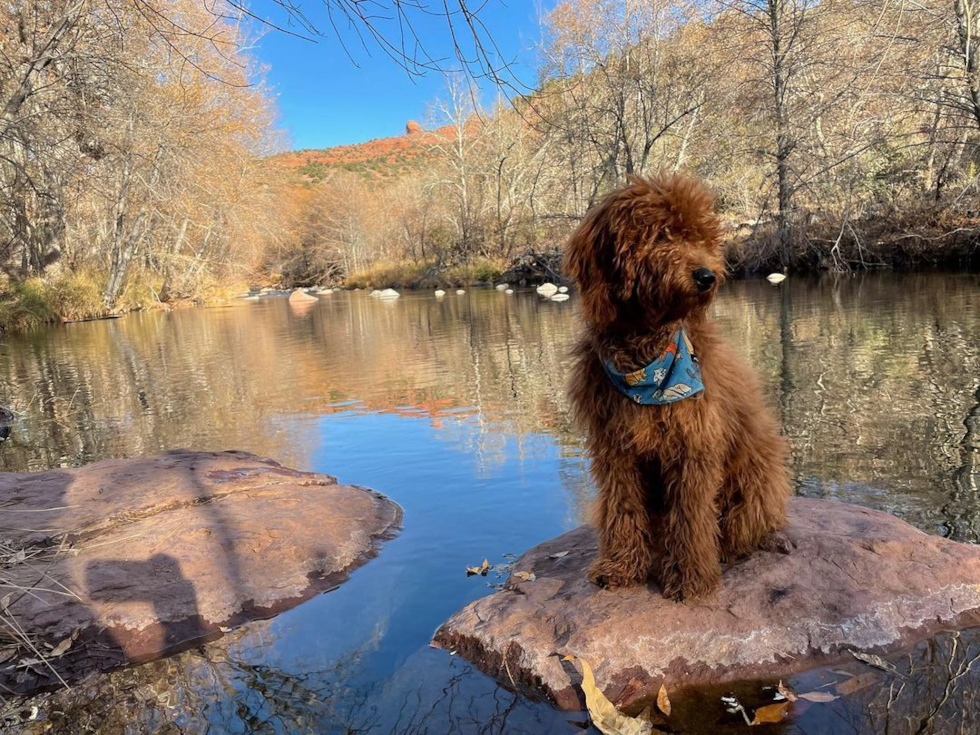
x,y
588,260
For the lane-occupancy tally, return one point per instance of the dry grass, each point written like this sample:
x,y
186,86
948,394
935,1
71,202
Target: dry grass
x,y
20,649
426,274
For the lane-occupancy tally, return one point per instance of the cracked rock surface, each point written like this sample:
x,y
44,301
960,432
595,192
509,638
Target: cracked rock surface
x,y
857,579
139,558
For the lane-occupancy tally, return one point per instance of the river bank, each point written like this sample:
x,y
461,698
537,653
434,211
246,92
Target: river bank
x,y
77,296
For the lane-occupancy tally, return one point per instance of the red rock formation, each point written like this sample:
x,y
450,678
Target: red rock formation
x,y
163,552
857,579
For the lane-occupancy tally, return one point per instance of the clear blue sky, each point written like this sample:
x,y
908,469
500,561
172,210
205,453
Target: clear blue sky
x,y
326,99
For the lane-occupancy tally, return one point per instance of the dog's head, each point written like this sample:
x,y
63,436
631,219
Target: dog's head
x,y
651,250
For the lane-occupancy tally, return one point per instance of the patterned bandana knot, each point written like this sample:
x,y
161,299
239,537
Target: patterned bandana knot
x,y
673,376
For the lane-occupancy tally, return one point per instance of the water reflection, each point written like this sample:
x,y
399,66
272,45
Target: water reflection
x,y
456,409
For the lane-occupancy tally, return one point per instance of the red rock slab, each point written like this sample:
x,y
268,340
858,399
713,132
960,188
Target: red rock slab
x,y
140,558
856,579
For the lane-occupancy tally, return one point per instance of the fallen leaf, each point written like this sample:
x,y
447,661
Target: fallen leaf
x,y
819,697
856,683
62,648
559,555
771,713
788,693
481,570
877,661
526,576
607,719
663,701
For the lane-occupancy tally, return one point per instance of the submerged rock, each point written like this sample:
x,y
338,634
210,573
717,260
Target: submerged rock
x,y
300,296
144,557
856,580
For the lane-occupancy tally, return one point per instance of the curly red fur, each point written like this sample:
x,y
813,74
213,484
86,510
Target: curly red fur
x,y
682,485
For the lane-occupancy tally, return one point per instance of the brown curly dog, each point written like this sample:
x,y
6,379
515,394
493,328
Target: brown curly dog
x,y
687,459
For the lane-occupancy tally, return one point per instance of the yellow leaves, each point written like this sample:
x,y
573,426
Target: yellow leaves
x,y
481,570
771,713
525,576
607,719
786,692
663,701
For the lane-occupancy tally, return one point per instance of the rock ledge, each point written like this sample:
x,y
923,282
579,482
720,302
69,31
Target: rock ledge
x,y
139,558
858,579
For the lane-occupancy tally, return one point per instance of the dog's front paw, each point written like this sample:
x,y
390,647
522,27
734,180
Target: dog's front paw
x,y
776,542
689,587
609,574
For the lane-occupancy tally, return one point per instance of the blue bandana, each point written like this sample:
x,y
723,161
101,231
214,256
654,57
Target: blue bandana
x,y
673,376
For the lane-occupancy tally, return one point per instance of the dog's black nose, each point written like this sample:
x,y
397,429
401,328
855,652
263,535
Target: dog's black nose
x,y
703,278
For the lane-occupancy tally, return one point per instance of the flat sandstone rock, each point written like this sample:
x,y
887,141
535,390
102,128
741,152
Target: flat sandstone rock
x,y
142,557
857,579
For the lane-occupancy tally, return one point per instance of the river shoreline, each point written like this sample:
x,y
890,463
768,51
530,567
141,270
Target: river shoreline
x,y
397,277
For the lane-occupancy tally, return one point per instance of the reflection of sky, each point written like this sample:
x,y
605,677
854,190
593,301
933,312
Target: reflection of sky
x,y
459,509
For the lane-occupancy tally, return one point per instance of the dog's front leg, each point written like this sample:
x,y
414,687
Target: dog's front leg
x,y
623,522
692,563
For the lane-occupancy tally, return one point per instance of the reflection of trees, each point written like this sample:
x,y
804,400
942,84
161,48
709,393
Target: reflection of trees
x,y
873,378
222,378
235,685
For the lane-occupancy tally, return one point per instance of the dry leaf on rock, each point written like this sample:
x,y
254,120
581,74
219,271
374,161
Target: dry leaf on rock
x,y
877,661
819,697
663,701
857,683
771,713
62,648
786,692
481,570
607,719
525,576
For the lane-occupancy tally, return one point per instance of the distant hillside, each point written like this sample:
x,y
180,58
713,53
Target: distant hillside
x,y
382,158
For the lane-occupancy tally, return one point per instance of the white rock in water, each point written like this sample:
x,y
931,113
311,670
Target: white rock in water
x,y
389,293
251,298
375,293
560,297
563,289
547,289
509,290
460,292
776,278
502,286
440,293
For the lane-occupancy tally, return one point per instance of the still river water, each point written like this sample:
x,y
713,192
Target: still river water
x,y
455,408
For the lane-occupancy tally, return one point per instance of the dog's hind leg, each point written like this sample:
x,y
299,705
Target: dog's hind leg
x,y
622,518
754,502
